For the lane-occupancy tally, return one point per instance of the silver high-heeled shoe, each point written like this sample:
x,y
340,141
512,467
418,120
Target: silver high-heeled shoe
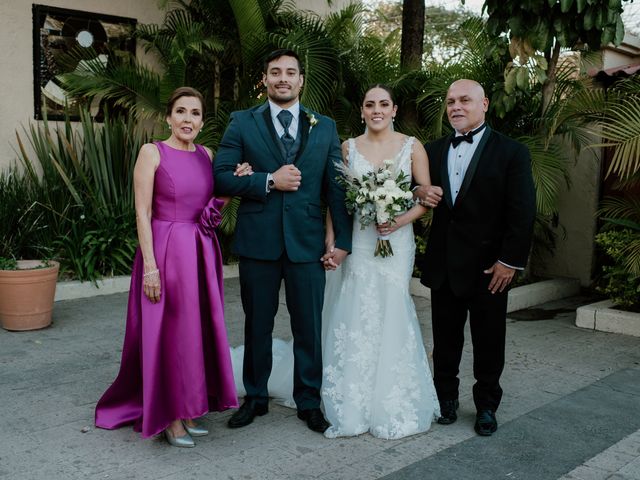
x,y
185,441
196,431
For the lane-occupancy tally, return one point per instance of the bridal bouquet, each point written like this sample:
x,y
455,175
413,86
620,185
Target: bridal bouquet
x,y
378,196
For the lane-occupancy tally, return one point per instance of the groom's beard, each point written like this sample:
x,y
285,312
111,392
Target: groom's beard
x,y
286,96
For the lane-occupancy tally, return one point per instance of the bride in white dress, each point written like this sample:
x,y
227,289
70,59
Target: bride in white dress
x,y
376,376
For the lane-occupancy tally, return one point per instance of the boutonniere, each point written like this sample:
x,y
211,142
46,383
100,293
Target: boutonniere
x,y
313,121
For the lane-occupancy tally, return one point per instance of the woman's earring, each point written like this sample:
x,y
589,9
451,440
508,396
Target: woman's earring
x,y
362,119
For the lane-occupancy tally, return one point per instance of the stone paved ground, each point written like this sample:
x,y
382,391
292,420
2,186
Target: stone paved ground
x,y
51,379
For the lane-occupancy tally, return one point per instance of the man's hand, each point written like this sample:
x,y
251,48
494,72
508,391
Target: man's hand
x,y
428,195
287,178
333,258
502,276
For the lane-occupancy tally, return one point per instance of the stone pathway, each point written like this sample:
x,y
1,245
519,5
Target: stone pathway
x,y
570,411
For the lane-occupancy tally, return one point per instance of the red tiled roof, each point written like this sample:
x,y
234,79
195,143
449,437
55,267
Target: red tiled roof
x,y
621,70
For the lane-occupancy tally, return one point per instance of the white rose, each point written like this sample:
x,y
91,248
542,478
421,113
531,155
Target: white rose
x,y
390,185
383,217
408,195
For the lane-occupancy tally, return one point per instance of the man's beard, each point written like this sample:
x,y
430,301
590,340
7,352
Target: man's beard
x,y
279,98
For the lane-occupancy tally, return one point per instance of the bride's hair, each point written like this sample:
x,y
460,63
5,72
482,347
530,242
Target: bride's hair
x,y
384,87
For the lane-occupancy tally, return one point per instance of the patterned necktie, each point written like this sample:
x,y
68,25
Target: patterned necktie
x,y
285,117
467,137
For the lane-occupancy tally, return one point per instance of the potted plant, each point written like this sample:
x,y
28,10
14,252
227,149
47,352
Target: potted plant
x,y
27,290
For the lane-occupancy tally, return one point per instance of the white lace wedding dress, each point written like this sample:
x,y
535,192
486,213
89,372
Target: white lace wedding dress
x,y
376,377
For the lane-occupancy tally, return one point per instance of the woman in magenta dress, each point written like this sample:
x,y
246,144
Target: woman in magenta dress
x,y
175,361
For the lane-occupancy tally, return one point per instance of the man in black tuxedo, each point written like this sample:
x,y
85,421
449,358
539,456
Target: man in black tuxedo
x,y
480,235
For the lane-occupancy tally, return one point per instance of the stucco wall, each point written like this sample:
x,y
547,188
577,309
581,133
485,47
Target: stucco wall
x,y
577,205
16,56
322,6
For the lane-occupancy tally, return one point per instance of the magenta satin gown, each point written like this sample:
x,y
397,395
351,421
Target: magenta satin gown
x,y
175,360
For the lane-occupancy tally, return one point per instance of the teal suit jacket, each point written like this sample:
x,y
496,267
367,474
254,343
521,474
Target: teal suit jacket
x,y
270,224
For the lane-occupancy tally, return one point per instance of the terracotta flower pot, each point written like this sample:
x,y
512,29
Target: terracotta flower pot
x,y
26,295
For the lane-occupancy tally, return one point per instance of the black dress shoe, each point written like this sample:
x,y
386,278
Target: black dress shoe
x,y
448,413
315,419
486,423
249,410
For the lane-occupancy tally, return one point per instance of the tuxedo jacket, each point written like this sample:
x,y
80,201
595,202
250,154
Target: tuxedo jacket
x,y
491,219
270,224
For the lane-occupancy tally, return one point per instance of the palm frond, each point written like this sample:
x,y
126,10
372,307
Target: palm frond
x,y
251,24
125,83
621,130
549,169
620,207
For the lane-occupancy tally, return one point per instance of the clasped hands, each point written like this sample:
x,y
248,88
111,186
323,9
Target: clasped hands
x,y
428,195
333,257
242,170
286,179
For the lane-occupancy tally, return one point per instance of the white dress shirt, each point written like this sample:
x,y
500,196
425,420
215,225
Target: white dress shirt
x,y
458,161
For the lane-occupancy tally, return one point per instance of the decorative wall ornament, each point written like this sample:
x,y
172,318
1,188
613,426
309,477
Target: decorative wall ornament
x,y
62,40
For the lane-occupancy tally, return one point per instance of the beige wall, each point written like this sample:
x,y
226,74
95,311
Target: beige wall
x,y
321,6
574,253
628,52
16,56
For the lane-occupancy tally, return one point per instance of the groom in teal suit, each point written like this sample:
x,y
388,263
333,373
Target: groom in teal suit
x,y
280,230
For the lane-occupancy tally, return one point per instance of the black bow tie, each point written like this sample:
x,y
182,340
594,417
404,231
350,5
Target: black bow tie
x,y
467,137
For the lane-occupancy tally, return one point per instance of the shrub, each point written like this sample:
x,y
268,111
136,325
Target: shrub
x,y
74,199
618,282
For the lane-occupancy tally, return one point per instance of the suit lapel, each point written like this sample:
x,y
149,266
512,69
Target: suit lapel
x,y
444,172
473,165
262,117
303,127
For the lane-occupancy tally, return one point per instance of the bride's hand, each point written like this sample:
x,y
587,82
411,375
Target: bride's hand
x,y
388,228
329,243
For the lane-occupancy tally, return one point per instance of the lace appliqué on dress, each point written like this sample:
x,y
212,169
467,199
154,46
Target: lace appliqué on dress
x,y
376,374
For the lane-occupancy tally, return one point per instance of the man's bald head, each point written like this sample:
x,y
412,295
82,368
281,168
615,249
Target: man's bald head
x,y
466,105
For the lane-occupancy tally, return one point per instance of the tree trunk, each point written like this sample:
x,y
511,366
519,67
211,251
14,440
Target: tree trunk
x,y
412,44
550,83
411,48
